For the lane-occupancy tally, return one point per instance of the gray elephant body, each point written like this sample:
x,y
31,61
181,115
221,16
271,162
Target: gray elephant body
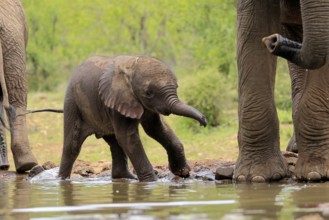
x,y
110,97
13,41
84,90
305,23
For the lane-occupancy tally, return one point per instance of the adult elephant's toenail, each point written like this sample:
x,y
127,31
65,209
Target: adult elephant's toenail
x,y
258,179
313,176
241,178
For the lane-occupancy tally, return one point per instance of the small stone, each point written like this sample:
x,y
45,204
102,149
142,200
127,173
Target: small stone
x,y
224,172
291,168
36,170
84,171
291,160
49,165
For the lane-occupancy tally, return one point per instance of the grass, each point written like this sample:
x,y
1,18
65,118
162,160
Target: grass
x,y
45,132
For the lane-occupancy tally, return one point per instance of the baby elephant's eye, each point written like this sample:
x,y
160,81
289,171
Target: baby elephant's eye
x,y
149,93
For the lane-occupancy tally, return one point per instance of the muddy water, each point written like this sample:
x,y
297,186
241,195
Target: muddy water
x,y
101,198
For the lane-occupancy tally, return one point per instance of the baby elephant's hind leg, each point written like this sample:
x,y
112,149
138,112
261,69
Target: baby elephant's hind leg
x,y
119,159
75,133
159,130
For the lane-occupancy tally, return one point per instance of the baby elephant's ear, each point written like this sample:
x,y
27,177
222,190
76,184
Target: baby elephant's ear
x,y
116,92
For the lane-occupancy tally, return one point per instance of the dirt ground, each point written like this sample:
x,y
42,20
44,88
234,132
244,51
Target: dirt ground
x,y
200,169
204,169
208,170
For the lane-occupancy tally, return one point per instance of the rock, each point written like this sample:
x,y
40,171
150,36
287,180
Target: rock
x,y
291,168
160,172
291,159
49,165
35,171
85,171
225,172
205,175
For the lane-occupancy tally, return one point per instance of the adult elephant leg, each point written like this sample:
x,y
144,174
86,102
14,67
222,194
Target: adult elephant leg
x,y
312,127
15,77
22,153
259,157
293,29
13,42
297,75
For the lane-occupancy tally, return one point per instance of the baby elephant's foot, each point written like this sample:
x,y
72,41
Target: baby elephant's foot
x,y
147,176
183,172
313,168
261,170
126,174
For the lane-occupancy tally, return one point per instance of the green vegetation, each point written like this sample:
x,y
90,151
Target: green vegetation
x,y
182,33
196,38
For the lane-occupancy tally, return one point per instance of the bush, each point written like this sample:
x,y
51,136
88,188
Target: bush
x,y
205,91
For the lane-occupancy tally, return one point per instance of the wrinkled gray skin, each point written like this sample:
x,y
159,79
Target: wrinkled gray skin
x,y
13,41
110,97
305,23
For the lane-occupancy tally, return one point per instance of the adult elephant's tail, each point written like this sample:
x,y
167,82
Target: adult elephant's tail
x,y
4,100
10,110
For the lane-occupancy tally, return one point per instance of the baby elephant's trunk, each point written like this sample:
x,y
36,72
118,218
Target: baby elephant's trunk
x,y
182,109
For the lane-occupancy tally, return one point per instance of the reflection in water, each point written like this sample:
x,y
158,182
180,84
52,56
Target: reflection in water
x,y
100,198
4,199
312,201
258,200
122,199
14,193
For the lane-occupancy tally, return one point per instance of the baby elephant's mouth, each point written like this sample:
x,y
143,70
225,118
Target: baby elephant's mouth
x,y
165,112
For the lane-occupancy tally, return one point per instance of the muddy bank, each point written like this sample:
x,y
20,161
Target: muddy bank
x,y
200,169
208,170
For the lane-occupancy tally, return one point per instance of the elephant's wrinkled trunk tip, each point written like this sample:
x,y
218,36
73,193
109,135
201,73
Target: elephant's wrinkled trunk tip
x,y
278,45
270,42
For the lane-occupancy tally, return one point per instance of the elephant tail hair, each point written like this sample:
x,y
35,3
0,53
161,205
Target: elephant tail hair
x,y
11,114
55,110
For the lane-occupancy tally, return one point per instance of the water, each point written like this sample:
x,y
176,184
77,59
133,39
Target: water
x,y
101,198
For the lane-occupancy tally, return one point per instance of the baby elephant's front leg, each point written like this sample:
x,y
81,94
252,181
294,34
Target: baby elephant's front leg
x,y
158,129
126,132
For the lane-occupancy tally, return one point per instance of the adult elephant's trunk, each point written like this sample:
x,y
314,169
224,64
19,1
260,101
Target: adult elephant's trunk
x,y
312,53
179,108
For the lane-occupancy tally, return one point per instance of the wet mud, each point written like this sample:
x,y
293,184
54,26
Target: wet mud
x,y
207,170
200,169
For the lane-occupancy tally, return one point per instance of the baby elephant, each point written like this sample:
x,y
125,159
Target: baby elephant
x,y
109,97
